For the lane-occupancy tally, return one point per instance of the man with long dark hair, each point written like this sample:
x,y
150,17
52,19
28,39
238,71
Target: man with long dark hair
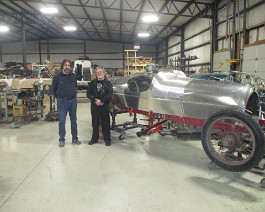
x,y
64,88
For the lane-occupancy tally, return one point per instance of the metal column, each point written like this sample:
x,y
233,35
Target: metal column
x,y
24,45
40,51
48,50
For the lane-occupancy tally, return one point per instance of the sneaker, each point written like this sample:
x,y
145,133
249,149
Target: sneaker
x,y
92,142
76,141
61,144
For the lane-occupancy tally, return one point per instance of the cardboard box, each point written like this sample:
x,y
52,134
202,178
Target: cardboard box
x,y
19,111
15,84
47,81
27,83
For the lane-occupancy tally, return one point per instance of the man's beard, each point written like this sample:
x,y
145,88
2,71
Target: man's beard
x,y
100,77
67,70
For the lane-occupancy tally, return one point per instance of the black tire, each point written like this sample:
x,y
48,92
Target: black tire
x,y
212,166
233,140
139,133
121,137
262,182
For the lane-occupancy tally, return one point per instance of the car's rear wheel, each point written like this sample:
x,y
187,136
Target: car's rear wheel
x,y
233,140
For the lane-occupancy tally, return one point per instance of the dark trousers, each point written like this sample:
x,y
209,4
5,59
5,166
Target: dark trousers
x,y
64,106
100,117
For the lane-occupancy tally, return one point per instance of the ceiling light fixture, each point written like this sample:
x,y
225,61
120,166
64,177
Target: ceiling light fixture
x,y
49,10
3,28
149,18
143,34
69,28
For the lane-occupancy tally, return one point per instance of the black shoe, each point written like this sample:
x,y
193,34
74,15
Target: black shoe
x,y
92,142
107,144
61,143
76,141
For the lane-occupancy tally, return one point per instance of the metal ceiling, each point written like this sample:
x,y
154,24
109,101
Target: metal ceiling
x,y
99,20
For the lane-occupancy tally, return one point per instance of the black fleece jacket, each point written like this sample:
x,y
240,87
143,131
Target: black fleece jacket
x,y
104,94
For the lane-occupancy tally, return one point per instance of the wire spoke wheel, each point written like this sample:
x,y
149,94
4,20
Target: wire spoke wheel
x,y
233,140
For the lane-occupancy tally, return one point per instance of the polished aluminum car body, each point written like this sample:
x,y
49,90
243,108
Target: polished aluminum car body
x,y
173,93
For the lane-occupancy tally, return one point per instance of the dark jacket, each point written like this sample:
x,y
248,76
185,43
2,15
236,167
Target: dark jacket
x,y
64,85
104,94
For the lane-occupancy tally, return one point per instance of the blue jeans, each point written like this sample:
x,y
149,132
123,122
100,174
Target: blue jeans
x,y
64,106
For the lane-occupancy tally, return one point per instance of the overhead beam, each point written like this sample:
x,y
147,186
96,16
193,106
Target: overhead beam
x,y
172,20
72,16
89,18
160,11
115,8
19,20
51,24
26,17
137,19
121,18
189,21
105,19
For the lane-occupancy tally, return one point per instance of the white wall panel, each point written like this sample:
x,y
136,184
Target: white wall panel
x,y
109,63
221,14
174,49
12,58
226,43
223,44
203,53
128,46
221,30
219,57
173,40
11,47
196,26
58,58
102,47
33,57
66,41
256,16
200,39
110,55
252,35
252,2
222,3
32,47
67,48
240,4
254,60
261,33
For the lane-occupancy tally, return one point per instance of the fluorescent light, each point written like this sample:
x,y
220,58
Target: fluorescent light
x,y
49,10
149,18
143,34
4,28
69,28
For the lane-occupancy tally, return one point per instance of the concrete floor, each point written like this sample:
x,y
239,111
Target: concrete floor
x,y
151,174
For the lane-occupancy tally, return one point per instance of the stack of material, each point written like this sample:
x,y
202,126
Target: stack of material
x,y
3,84
135,64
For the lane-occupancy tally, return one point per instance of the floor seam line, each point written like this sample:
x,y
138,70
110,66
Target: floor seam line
x,y
27,176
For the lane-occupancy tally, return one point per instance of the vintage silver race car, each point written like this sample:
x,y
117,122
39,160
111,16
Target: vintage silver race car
x,y
226,111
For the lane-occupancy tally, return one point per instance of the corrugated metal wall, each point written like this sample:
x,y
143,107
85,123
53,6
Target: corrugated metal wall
x,y
249,38
110,55
196,42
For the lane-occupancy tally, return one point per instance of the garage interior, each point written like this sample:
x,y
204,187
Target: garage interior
x,y
163,169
